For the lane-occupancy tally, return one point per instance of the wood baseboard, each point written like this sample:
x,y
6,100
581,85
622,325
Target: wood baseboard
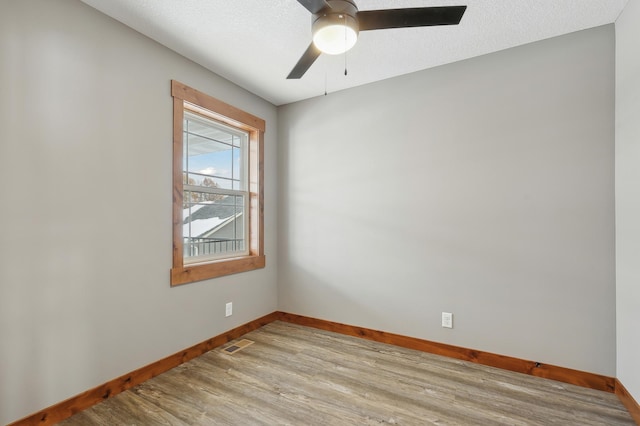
x,y
69,407
628,401
561,374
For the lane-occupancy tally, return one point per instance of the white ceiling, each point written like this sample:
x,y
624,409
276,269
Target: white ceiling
x,y
256,43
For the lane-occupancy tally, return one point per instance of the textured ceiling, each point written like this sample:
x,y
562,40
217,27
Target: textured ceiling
x,y
255,43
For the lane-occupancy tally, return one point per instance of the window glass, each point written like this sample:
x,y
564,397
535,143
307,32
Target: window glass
x,y
215,182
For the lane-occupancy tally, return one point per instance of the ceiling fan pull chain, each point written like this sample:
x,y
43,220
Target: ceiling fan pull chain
x,y
325,81
325,77
345,42
345,63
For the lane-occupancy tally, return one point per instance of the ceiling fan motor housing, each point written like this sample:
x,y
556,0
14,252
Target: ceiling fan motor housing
x,y
340,12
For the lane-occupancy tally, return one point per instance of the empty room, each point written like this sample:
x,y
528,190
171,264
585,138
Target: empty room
x,y
214,215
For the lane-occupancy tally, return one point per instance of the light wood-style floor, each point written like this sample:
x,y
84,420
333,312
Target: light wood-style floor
x,y
293,375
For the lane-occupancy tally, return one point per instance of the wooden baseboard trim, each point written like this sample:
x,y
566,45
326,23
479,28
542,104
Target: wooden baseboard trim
x,y
628,401
561,374
69,407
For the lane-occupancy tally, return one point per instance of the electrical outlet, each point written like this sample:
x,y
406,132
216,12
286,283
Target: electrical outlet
x,y
228,309
447,320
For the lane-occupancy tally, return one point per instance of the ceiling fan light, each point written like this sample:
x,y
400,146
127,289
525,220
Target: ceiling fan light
x,y
335,34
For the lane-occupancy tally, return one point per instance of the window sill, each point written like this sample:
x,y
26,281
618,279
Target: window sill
x,y
218,268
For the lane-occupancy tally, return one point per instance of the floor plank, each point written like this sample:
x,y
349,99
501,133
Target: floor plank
x,y
294,375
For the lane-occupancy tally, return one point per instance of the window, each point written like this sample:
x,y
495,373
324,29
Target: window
x,y
217,188
214,182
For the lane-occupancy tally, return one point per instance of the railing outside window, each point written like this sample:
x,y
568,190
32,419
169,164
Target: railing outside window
x,y
206,246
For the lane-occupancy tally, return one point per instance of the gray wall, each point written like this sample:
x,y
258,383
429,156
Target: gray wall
x,y
85,184
483,188
628,197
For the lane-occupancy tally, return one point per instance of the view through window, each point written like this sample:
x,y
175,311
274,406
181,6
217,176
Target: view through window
x,y
215,189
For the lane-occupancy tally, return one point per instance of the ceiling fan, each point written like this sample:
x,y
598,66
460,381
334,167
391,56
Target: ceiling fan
x,y
336,23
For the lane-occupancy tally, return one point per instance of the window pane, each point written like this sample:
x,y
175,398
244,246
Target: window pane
x,y
209,182
213,154
213,224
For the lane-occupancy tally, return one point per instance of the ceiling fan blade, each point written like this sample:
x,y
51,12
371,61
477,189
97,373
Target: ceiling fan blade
x,y
308,58
314,6
411,17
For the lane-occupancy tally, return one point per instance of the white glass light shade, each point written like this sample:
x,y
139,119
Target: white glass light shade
x,y
335,33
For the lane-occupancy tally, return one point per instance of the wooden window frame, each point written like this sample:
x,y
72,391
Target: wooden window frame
x,y
187,98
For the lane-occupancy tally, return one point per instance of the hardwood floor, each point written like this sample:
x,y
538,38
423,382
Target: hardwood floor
x,y
294,375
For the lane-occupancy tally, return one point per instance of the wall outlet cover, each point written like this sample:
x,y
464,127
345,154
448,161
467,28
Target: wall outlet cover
x,y
447,320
